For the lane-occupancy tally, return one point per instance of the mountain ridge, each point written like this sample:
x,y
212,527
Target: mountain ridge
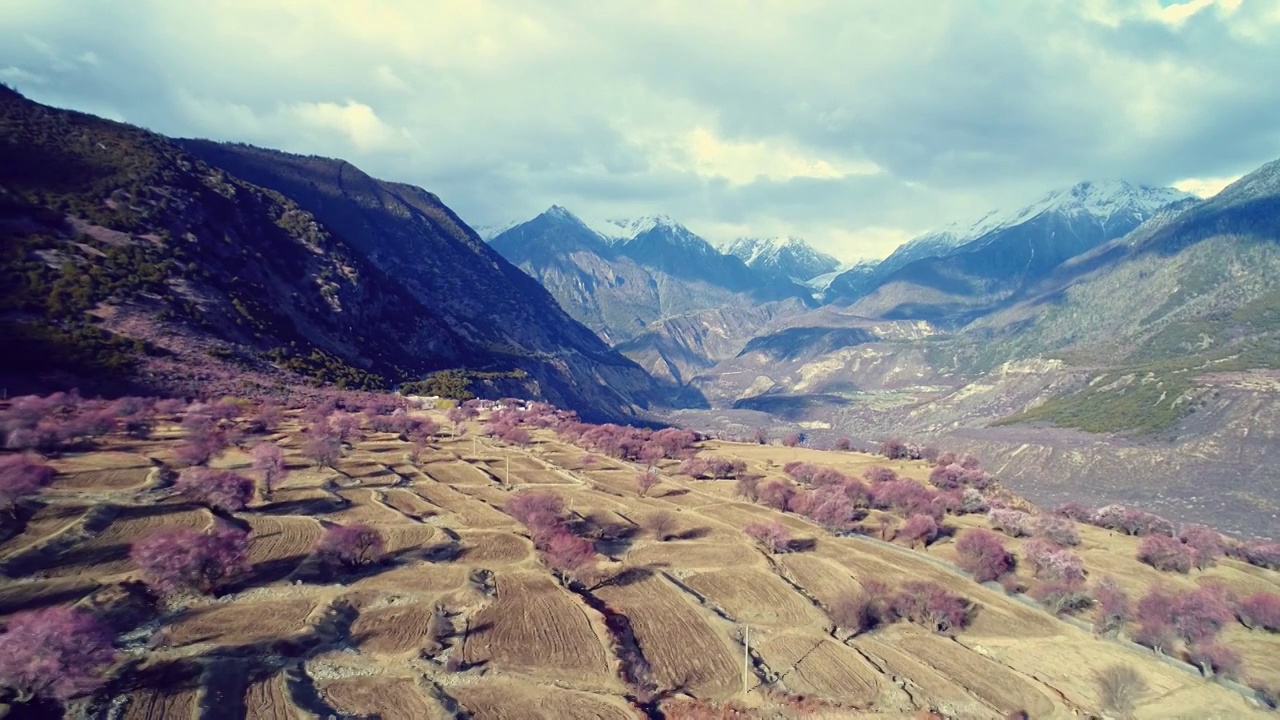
x,y
212,283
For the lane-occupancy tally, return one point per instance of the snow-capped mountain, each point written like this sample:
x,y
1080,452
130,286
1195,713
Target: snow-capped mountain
x,y
1001,251
617,276
1110,203
785,257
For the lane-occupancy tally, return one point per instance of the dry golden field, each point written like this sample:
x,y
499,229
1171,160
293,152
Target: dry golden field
x,y
705,615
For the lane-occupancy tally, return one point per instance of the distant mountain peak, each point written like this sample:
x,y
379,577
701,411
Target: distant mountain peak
x,y
783,256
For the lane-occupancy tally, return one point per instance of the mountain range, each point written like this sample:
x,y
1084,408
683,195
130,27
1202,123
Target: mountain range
x,y
618,277
187,266
1111,335
1108,330
958,273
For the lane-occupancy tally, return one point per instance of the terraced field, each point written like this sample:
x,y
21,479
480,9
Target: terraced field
x,y
650,621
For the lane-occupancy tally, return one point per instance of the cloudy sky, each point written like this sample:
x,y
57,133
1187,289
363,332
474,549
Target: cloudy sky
x,y
854,124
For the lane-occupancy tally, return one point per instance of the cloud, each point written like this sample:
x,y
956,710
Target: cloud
x,y
1205,187
851,123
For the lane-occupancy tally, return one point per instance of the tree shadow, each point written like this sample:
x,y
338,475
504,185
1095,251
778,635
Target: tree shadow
x,y
306,506
802,545
691,534
629,576
674,493
265,573
138,512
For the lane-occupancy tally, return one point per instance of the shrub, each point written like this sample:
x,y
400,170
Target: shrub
x,y
774,536
895,449
1120,689
174,560
1075,511
1063,597
1112,607
661,524
568,555
1165,553
776,494
219,489
1131,521
1057,530
21,476
844,444
203,440
1260,610
832,509
877,474
1206,544
972,501
346,426
322,446
1215,659
516,436
267,418
353,546
1013,523
792,440
858,612
1156,636
969,462
645,482
538,511
1199,615
1155,619
1261,553
904,494
746,487
54,652
982,553
930,605
919,529
1053,563
946,477
268,462
760,436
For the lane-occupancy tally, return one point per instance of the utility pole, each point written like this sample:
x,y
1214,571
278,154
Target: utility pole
x,y
508,469
746,660
473,446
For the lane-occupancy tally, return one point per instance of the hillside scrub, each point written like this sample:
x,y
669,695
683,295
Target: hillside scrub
x,y
352,547
773,537
1165,553
218,489
175,560
1215,659
1113,607
268,462
1260,610
930,605
982,553
1013,523
1120,689
55,652
21,477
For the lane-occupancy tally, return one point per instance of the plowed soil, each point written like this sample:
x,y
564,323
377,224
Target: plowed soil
x,y
535,625
673,613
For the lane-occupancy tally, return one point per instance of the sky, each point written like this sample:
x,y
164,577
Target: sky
x,y
853,124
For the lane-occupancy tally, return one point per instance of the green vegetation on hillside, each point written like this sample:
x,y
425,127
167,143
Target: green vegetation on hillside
x,y
1118,402
456,384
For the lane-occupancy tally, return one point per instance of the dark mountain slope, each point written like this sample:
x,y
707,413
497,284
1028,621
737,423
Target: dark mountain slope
x,y
410,233
128,261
